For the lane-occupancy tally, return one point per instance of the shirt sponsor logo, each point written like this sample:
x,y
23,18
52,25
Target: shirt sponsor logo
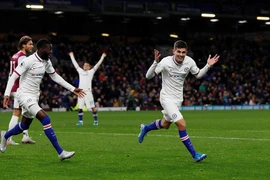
x,y
174,75
38,75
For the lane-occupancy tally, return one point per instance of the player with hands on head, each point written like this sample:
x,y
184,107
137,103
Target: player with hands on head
x,y
86,75
174,70
31,71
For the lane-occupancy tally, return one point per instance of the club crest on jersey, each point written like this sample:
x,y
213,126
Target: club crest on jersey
x,y
22,64
186,69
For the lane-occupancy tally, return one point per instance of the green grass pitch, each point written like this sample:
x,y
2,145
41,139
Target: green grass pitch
x,y
237,144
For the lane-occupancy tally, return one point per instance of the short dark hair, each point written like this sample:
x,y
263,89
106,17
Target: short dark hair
x,y
42,42
24,40
87,62
180,44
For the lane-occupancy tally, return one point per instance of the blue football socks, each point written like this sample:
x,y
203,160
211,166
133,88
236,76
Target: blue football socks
x,y
48,130
153,126
80,114
187,142
19,128
95,115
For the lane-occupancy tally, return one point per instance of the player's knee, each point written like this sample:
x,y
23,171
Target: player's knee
x,y
181,124
80,111
165,124
89,109
16,112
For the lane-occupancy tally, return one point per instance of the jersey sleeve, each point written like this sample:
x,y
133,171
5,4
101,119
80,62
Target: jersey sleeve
x,y
194,68
23,66
75,64
49,68
57,78
160,67
80,70
20,59
151,71
99,62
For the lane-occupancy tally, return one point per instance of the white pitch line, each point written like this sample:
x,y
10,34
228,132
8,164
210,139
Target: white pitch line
x,y
159,135
251,131
225,138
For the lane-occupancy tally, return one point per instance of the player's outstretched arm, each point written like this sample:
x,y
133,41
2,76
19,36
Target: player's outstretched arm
x,y
151,71
100,61
210,62
59,80
73,60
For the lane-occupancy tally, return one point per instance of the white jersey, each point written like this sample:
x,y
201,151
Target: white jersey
x,y
31,71
174,75
86,77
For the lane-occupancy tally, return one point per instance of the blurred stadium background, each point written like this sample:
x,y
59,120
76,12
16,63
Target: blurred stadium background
x,y
129,30
133,17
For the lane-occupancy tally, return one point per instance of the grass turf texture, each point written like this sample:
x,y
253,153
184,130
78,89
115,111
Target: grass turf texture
x,y
237,144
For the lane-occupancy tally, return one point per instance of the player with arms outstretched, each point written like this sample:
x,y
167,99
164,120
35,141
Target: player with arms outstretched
x,y
25,46
174,70
31,71
85,77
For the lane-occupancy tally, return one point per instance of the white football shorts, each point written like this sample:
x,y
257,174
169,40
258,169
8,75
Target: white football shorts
x,y
29,104
171,110
87,100
15,101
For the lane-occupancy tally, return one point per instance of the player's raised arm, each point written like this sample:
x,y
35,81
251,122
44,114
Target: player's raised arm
x,y
151,71
73,60
100,61
210,62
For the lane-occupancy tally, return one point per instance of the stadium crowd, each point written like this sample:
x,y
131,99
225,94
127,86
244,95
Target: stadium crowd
x,y
241,77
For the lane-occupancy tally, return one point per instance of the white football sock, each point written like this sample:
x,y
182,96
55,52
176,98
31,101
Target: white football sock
x,y
12,123
25,133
